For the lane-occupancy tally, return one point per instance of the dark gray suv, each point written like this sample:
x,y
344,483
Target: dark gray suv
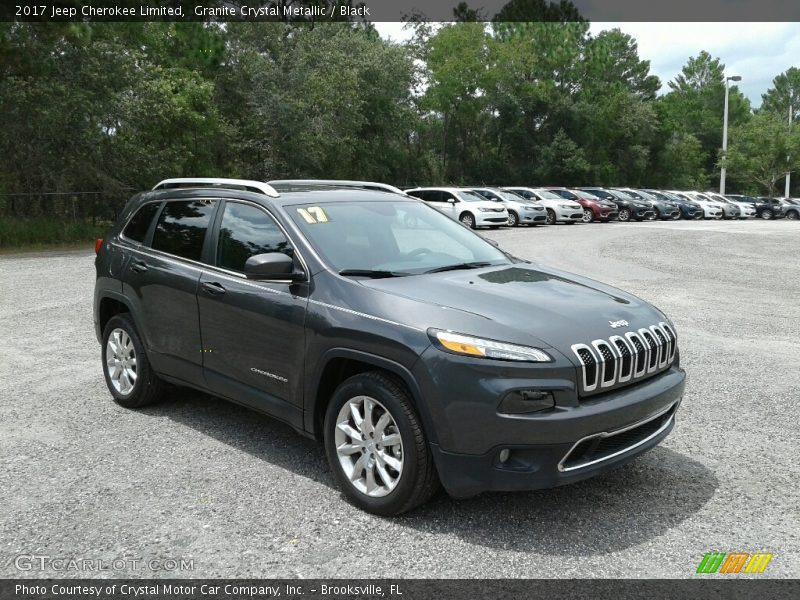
x,y
417,351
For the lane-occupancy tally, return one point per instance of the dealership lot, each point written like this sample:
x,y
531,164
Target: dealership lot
x,y
237,495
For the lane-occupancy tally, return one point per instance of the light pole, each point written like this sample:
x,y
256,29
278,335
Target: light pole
x,y
788,158
725,134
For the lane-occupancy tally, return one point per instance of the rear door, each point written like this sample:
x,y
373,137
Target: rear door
x,y
252,331
161,280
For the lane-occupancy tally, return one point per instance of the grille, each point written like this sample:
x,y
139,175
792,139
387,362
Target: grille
x,y
605,446
623,359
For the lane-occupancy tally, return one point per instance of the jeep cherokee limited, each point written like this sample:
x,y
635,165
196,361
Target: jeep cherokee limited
x,y
415,350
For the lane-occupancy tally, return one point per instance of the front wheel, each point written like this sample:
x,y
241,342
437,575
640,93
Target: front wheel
x,y
588,215
129,376
376,447
468,220
551,216
791,215
624,215
766,214
513,219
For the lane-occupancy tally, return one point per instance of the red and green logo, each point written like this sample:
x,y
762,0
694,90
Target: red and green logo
x,y
734,562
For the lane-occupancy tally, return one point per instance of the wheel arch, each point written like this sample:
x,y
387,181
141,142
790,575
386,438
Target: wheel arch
x,y
110,304
339,364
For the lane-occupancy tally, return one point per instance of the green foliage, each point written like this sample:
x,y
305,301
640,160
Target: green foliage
x,y
762,151
42,232
532,99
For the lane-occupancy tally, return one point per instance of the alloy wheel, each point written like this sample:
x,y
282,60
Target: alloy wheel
x,y
369,446
468,220
766,215
588,216
624,214
121,361
551,217
512,219
791,215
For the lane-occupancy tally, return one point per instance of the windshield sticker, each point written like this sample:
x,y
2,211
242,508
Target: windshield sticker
x,y
313,215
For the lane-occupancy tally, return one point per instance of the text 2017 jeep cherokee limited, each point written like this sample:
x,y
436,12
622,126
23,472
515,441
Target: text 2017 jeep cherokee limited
x,y
417,351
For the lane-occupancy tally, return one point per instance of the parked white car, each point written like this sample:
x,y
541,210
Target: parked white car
x,y
558,209
520,210
473,210
711,209
748,208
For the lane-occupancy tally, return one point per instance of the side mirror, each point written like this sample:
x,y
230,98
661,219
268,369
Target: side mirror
x,y
271,266
451,200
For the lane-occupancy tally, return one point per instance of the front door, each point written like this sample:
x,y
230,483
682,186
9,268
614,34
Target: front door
x,y
252,331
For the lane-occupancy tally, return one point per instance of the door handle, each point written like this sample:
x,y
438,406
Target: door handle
x,y
212,287
139,266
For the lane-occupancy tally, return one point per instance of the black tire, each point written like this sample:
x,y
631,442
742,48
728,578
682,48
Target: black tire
x,y
513,219
147,388
792,215
676,216
766,214
588,215
624,215
418,481
551,217
468,219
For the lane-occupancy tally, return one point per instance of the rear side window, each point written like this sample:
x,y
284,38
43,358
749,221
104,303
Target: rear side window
x,y
246,231
181,228
137,227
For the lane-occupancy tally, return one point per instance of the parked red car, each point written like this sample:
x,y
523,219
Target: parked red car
x,y
594,208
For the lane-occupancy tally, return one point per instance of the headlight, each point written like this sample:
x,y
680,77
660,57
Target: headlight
x,y
466,345
482,209
567,206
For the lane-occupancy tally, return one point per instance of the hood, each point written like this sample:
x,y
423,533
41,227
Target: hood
x,y
527,302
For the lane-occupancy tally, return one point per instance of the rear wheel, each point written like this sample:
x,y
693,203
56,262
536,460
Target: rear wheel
x,y
551,216
129,376
467,219
376,447
624,215
588,215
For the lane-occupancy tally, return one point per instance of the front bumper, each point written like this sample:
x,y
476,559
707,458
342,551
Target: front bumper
x,y
569,214
544,447
533,216
491,219
642,214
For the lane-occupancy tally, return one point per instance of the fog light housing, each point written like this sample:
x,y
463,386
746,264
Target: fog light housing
x,y
521,402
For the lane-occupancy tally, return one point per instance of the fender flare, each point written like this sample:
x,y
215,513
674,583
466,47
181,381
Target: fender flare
x,y
310,416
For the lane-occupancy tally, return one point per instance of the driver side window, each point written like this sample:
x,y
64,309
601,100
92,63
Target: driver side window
x,y
245,231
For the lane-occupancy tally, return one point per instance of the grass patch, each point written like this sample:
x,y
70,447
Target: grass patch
x,y
16,233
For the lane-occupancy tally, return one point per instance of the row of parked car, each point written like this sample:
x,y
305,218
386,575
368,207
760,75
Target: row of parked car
x,y
517,205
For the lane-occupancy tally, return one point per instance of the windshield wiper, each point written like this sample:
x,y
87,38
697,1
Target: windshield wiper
x,y
460,266
375,274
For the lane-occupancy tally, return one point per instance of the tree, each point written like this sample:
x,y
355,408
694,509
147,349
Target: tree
x,y
785,89
695,106
762,151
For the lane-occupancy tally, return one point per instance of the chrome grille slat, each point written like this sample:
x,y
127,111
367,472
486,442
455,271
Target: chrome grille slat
x,y
636,355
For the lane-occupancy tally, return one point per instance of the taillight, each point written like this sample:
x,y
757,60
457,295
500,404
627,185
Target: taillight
x,y
97,245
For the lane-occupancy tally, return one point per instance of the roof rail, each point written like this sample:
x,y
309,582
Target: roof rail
x,y
291,184
193,182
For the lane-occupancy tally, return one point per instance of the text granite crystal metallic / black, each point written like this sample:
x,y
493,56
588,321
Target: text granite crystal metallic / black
x,y
418,352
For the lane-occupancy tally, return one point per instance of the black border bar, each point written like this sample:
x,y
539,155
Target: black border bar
x,y
707,587
402,10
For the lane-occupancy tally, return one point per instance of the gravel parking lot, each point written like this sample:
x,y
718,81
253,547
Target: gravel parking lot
x,y
241,495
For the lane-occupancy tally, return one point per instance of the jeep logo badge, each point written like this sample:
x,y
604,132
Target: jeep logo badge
x,y
620,323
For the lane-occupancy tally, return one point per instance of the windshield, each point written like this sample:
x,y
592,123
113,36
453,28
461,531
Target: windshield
x,y
398,238
567,195
547,195
623,195
468,196
513,197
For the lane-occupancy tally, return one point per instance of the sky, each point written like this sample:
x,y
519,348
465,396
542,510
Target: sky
x,y
755,51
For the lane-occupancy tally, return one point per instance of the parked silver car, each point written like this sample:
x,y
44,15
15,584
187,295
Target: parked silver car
x,y
521,211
